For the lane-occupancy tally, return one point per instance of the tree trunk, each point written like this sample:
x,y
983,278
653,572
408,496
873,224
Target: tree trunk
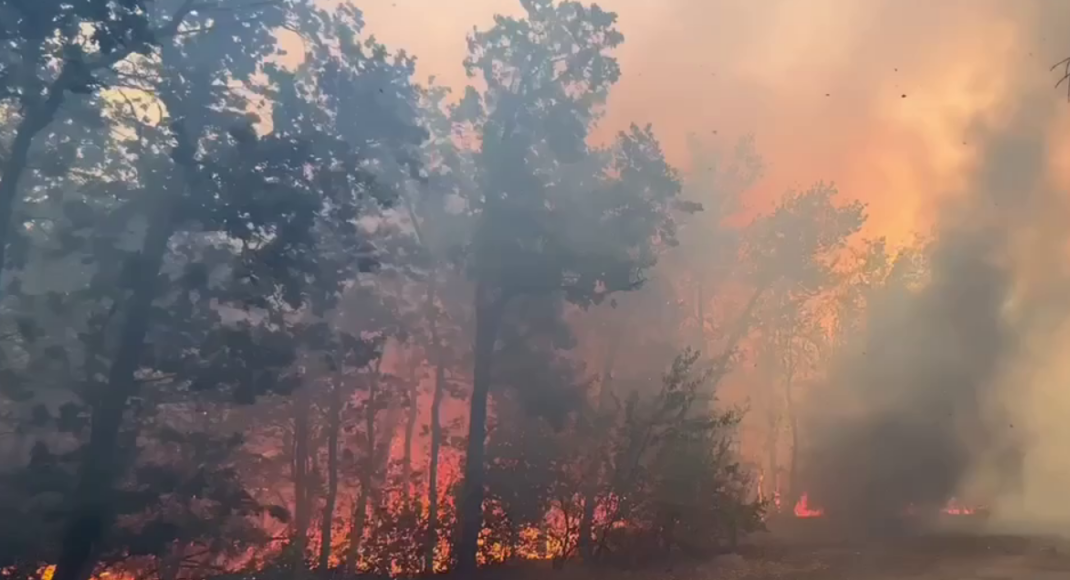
x,y
92,514
438,351
171,563
793,432
374,473
334,426
360,510
37,118
381,468
299,466
410,428
593,477
432,470
41,114
488,317
356,530
772,443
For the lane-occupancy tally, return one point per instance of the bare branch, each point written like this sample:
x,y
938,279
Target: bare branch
x,y
1065,63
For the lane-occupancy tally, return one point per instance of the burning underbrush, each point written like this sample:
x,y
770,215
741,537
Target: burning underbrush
x,y
653,479
803,509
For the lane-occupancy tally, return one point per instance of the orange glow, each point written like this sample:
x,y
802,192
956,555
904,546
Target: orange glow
x,y
803,509
953,508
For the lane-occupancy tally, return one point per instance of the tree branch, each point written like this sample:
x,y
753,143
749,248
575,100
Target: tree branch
x,y
1065,63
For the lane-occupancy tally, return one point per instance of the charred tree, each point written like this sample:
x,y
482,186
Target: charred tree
x,y
489,307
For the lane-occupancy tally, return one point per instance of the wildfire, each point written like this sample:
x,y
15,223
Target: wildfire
x,y
953,508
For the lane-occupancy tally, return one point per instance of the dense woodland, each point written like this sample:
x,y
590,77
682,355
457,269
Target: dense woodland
x,y
270,302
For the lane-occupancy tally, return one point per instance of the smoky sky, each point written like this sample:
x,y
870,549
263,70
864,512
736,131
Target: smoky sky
x,y
876,95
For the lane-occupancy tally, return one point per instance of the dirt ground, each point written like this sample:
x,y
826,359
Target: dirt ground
x,y
807,552
804,551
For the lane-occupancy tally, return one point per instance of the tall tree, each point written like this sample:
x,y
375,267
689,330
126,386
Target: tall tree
x,y
794,254
272,216
555,218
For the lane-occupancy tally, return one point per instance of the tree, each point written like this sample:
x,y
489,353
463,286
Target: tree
x,y
53,50
242,239
442,224
674,476
793,255
555,218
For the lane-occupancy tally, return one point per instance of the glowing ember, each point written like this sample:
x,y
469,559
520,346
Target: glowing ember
x,y
954,508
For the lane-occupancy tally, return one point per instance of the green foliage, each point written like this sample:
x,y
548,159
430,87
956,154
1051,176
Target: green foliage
x,y
556,216
796,243
675,477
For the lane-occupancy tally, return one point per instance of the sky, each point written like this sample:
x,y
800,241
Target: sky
x,y
878,96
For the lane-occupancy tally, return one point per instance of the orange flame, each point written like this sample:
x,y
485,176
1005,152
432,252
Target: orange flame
x,y
953,508
803,509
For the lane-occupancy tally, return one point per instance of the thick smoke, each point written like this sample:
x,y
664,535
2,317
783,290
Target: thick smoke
x,y
956,388
930,396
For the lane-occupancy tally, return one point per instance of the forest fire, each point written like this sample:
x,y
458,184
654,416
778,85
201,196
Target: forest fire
x,y
266,315
953,507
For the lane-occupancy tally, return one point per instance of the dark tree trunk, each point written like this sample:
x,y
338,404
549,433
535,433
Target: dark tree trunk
x,y
360,510
301,452
36,119
586,539
594,475
334,426
411,412
373,476
356,530
432,470
772,444
439,354
93,512
488,317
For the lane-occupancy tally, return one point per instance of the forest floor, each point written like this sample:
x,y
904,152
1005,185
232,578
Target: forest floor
x,y
804,556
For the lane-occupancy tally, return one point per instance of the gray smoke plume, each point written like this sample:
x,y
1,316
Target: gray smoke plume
x,y
921,410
